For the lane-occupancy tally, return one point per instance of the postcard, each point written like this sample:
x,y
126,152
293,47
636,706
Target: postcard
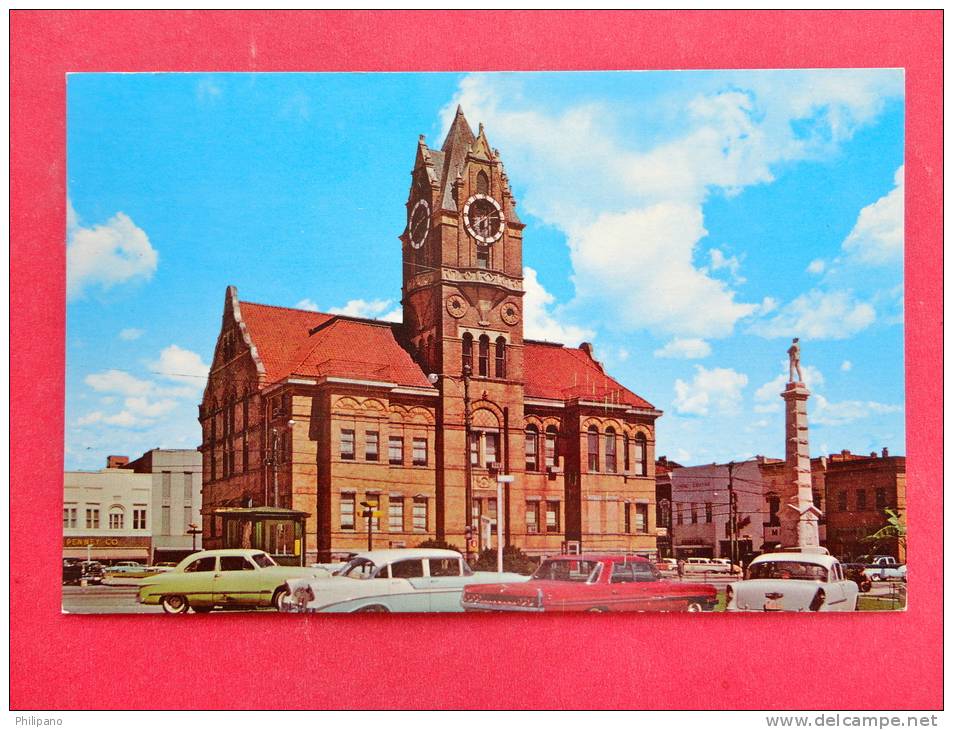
x,y
485,342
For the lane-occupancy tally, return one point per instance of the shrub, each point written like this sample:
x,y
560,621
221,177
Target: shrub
x,y
514,561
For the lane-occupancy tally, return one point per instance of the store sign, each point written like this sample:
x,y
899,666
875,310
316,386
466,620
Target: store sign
x,y
101,542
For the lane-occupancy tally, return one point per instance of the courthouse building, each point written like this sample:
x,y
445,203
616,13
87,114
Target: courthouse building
x,y
307,415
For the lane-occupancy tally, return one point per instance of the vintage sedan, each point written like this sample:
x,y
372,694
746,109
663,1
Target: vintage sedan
x,y
222,579
793,581
595,583
414,580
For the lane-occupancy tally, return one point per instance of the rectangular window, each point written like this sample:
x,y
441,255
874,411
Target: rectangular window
x,y
69,517
347,444
420,514
139,519
420,452
640,456
550,448
552,516
861,499
395,514
115,520
641,518
708,512
881,498
491,508
532,444
395,450
628,518
593,443
532,517
492,448
483,257
474,448
167,487
371,445
842,501
694,513
347,511
610,452
92,518
166,520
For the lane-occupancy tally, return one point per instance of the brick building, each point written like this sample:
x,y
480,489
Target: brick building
x,y
859,489
775,476
315,413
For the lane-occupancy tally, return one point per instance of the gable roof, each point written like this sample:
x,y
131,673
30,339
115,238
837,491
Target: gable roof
x,y
551,370
314,344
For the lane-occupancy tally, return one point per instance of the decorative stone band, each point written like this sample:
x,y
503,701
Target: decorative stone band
x,y
476,276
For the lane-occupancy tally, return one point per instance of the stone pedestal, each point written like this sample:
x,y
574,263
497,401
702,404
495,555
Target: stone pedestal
x,y
798,515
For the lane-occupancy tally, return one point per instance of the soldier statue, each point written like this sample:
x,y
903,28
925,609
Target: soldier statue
x,y
794,354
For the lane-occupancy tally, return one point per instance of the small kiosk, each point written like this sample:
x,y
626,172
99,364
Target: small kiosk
x,y
279,532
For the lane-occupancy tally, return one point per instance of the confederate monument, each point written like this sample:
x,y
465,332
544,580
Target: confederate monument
x,y
799,516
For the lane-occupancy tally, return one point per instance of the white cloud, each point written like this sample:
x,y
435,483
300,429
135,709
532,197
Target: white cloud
x,y
687,348
827,413
130,333
538,321
817,266
364,309
732,263
182,366
877,237
846,365
711,391
818,315
108,254
144,408
119,381
308,304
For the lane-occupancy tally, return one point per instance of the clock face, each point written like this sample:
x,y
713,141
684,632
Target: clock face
x,y
484,219
419,225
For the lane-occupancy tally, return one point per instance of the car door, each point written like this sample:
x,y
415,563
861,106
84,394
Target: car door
x,y
445,583
237,581
197,581
839,595
409,586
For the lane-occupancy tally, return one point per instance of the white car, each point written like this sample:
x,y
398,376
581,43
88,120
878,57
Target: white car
x,y
415,580
793,581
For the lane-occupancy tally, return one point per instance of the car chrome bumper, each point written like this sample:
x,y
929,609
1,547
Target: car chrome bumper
x,y
482,606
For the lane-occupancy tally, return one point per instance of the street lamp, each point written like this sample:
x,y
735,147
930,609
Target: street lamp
x,y
434,378
501,479
369,513
193,531
274,462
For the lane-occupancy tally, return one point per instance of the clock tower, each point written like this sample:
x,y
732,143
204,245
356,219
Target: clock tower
x,y
463,312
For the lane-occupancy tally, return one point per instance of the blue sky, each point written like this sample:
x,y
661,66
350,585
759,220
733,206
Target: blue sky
x,y
688,223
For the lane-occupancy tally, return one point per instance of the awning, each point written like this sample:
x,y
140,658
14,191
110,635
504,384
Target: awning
x,y
116,553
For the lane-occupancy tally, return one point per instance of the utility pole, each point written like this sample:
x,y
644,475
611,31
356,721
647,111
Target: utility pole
x,y
274,466
468,466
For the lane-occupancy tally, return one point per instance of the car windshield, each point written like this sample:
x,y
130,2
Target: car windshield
x,y
574,571
787,570
359,568
263,560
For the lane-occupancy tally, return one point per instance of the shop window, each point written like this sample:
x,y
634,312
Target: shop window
x,y
347,511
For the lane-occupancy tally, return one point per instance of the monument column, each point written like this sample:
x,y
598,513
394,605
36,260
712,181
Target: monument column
x,y
799,517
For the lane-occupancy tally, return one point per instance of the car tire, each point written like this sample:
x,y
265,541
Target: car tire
x,y
694,607
175,604
280,594
375,608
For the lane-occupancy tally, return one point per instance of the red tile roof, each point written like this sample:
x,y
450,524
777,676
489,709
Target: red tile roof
x,y
342,347
559,372
313,344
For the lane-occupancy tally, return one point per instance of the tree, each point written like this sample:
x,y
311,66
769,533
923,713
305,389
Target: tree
x,y
438,545
894,529
514,561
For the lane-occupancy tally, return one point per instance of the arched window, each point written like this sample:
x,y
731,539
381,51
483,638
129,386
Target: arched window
x,y
483,183
552,456
500,357
467,352
610,450
116,517
593,443
484,356
626,462
532,448
640,456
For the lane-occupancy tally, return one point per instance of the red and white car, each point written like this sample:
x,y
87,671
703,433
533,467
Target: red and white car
x,y
592,583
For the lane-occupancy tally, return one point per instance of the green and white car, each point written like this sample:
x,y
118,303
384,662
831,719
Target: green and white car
x,y
222,579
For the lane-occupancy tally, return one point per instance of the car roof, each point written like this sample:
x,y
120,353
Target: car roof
x,y
387,556
225,551
817,558
603,558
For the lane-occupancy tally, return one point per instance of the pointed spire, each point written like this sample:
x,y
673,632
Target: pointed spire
x,y
459,136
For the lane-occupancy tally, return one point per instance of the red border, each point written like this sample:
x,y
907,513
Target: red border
x,y
650,662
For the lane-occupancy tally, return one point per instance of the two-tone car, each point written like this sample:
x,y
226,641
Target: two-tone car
x,y
236,578
794,581
414,580
595,583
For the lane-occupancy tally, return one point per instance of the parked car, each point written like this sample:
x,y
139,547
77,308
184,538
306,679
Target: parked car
x,y
592,583
164,567
855,572
72,572
667,566
221,578
793,581
709,565
417,580
883,567
93,572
